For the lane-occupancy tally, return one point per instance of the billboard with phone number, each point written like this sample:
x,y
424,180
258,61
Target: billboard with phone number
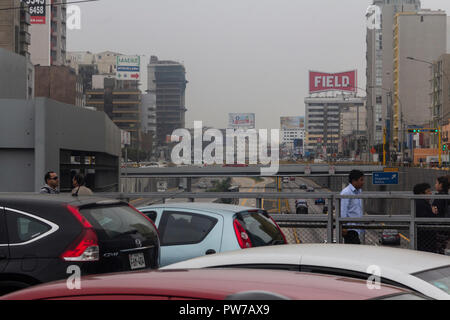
x,y
37,11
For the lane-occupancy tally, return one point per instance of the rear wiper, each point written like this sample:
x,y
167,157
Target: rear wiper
x,y
133,231
275,242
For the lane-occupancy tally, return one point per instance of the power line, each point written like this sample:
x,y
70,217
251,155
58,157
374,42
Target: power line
x,y
49,4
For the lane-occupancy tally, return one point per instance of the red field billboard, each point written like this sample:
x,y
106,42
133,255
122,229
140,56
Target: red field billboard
x,y
342,81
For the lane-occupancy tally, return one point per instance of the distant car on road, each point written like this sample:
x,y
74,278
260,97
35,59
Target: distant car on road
x,y
216,284
423,272
292,178
303,186
285,179
189,230
319,201
301,207
390,237
310,189
202,185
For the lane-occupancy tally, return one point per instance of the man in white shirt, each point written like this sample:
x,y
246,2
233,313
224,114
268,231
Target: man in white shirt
x,y
353,208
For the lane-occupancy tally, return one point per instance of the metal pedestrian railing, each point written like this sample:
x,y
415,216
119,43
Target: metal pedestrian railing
x,y
332,224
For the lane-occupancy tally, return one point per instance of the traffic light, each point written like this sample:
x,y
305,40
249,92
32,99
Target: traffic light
x,y
423,130
444,147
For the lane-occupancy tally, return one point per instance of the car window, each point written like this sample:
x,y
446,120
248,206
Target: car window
x,y
184,228
440,278
151,214
285,267
23,228
260,228
348,274
114,221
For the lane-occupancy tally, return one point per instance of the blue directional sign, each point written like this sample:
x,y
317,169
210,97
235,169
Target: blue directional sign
x,y
384,178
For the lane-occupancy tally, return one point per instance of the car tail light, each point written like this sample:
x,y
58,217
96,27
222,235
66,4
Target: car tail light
x,y
132,207
279,229
241,235
85,247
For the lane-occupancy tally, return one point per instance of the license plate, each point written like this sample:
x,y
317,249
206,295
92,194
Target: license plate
x,y
137,261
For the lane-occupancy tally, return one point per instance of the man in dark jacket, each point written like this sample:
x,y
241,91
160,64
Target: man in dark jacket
x,y
51,183
426,239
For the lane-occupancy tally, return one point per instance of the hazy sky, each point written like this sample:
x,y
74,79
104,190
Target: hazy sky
x,y
240,55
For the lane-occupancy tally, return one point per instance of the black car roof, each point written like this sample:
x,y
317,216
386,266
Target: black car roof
x,y
58,199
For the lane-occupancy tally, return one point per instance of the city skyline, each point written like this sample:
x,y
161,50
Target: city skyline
x,y
240,56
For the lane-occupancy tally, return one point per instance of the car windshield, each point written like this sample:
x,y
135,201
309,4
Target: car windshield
x,y
440,278
118,221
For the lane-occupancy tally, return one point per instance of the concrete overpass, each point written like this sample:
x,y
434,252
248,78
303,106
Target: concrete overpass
x,y
297,170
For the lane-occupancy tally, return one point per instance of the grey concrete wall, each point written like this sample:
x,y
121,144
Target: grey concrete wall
x,y
17,170
13,75
42,127
61,126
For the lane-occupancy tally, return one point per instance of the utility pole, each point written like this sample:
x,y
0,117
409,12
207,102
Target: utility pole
x,y
384,146
440,147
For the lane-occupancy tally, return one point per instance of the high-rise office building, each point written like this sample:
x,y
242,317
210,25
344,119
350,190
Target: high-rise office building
x,y
48,33
440,95
14,27
420,38
323,122
121,101
167,80
15,40
380,61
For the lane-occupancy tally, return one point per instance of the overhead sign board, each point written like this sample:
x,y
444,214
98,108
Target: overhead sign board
x,y
385,178
37,11
128,68
342,81
241,120
287,123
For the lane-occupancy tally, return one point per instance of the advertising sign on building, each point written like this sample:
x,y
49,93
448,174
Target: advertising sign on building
x,y
241,120
322,82
125,138
37,11
287,123
128,68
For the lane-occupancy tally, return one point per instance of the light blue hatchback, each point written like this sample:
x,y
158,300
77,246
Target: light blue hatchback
x,y
189,230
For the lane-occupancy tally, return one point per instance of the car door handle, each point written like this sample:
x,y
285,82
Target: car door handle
x,y
210,251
